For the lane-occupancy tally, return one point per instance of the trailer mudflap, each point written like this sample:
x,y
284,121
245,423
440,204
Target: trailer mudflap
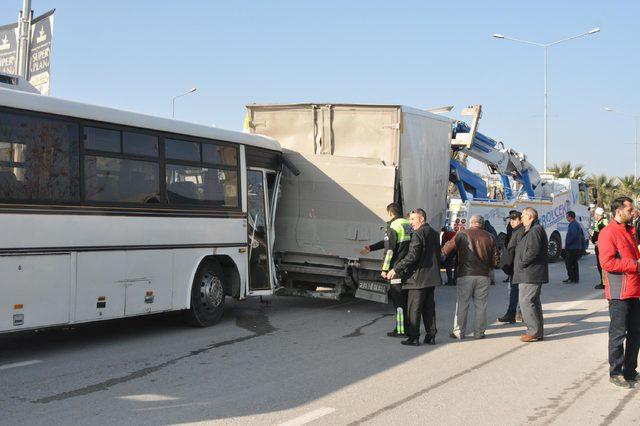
x,y
374,291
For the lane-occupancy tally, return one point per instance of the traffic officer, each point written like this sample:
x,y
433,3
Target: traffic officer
x,y
599,223
396,245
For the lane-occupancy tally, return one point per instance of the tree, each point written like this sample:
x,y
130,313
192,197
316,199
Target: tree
x,y
629,186
567,170
605,187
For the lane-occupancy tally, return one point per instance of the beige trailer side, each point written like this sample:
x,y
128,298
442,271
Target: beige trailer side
x,y
354,161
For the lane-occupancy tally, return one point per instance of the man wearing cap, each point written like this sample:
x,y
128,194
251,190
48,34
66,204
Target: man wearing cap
x,y
517,231
599,223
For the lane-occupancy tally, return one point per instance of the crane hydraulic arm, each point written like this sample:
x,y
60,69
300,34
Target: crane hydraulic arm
x,y
502,161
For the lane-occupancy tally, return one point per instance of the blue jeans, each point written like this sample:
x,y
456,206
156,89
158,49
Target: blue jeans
x,y
513,300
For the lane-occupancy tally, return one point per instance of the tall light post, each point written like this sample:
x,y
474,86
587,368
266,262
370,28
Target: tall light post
x,y
636,119
173,101
546,47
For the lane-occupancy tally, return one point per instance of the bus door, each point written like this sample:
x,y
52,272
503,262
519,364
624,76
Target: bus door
x,y
262,187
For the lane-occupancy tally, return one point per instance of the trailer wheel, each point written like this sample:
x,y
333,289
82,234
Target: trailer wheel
x,y
207,295
555,248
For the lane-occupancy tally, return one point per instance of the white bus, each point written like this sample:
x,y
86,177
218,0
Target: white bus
x,y
108,214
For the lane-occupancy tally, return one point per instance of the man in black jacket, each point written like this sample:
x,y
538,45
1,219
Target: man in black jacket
x,y
530,271
517,230
421,268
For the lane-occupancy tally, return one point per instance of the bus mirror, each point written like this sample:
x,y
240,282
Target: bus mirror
x,y
289,165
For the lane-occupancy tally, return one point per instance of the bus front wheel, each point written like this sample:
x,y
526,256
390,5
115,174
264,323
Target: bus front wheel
x,y
207,296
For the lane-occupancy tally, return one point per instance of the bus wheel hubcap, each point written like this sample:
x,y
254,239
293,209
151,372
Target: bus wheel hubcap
x,y
211,291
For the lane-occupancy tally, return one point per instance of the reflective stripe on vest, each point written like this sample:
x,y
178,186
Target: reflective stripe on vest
x,y
403,229
597,224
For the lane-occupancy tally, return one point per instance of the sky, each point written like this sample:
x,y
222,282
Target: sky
x,y
137,55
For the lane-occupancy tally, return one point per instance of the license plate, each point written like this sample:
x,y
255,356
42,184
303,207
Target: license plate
x,y
376,287
373,291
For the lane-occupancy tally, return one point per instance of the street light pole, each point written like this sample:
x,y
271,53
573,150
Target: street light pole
x,y
173,101
546,129
546,47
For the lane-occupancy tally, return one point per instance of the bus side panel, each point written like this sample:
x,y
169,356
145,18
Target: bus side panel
x,y
36,288
148,281
100,292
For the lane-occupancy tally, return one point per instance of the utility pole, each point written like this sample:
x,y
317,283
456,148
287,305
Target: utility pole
x,y
546,47
24,29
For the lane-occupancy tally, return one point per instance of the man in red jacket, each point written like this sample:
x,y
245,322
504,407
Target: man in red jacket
x,y
619,257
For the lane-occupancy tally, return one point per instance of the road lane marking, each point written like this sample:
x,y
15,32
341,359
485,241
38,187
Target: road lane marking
x,y
148,397
19,364
309,417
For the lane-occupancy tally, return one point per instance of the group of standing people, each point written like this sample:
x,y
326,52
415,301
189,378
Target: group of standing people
x,y
413,256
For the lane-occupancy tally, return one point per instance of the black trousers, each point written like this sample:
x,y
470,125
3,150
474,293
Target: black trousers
x,y
421,303
450,266
624,325
598,264
571,258
399,300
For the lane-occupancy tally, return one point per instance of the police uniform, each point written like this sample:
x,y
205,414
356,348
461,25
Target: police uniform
x,y
396,246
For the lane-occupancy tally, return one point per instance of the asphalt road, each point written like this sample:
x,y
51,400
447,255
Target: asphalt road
x,y
298,361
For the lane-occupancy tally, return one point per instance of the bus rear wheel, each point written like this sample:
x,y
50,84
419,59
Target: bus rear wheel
x,y
207,296
555,248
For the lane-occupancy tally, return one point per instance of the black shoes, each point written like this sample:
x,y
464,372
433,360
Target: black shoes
x,y
599,287
633,377
507,319
430,340
411,341
395,333
569,281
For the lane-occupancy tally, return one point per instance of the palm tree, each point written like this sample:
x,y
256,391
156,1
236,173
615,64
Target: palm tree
x,y
629,186
567,170
605,187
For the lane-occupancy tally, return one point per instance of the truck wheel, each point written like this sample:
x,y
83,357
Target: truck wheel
x,y
555,248
207,296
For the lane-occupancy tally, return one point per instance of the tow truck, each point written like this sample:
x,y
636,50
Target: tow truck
x,y
523,187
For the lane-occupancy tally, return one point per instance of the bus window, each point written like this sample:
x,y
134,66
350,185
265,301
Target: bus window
x,y
101,139
120,180
139,144
217,154
201,185
182,150
38,159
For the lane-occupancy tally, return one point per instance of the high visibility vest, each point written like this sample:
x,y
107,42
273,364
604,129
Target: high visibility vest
x,y
596,225
403,229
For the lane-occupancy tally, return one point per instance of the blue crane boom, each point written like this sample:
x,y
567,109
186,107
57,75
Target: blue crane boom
x,y
502,161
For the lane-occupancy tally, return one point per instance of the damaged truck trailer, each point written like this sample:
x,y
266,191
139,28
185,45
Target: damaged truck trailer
x,y
354,160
